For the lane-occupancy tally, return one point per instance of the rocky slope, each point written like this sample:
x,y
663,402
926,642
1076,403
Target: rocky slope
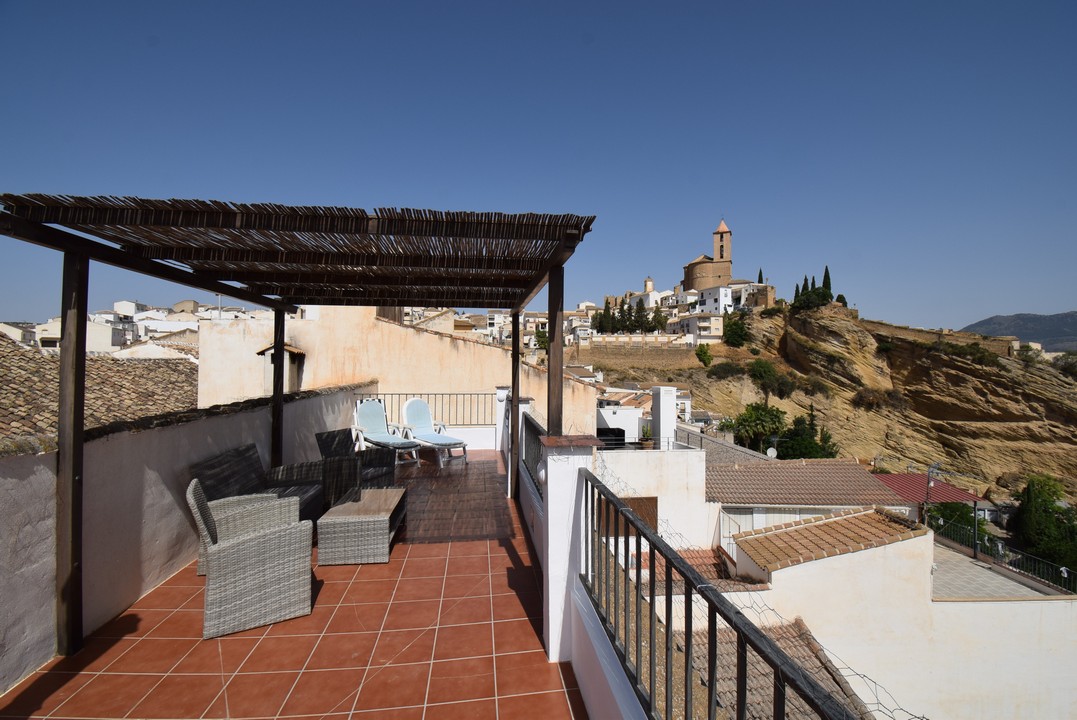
x,y
977,414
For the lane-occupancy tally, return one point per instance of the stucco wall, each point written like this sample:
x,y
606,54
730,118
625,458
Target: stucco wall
x,y
675,477
982,659
348,345
137,530
27,565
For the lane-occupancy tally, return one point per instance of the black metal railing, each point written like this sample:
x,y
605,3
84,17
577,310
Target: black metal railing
x,y
656,649
1045,571
453,409
532,448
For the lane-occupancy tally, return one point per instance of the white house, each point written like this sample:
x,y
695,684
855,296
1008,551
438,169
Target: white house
x,y
759,495
716,300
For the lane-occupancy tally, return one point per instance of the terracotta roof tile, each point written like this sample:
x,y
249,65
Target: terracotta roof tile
x,y
798,643
797,482
816,538
116,389
913,488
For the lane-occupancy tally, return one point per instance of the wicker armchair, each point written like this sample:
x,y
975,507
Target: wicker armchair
x,y
257,560
239,472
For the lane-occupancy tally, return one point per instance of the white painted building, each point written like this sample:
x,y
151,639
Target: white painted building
x,y
716,300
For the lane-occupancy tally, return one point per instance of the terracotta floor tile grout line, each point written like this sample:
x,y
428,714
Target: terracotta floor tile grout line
x,y
313,649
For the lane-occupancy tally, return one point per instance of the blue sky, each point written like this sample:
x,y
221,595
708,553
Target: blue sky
x,y
926,152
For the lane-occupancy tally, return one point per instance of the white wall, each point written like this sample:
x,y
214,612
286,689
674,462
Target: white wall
x,y
27,565
676,477
625,418
977,659
137,530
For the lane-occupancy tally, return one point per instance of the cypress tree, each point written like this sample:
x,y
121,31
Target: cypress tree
x,y
760,280
796,293
812,282
804,285
826,278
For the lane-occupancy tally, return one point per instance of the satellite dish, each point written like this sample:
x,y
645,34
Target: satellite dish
x,y
772,453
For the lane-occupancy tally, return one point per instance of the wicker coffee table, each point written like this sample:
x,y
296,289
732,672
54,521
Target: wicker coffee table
x,y
352,533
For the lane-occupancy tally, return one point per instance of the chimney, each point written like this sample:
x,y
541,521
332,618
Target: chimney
x,y
664,415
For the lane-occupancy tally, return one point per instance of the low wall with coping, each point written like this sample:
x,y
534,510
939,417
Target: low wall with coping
x,y
137,530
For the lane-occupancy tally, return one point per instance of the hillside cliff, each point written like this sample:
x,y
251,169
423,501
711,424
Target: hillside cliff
x,y
896,398
947,402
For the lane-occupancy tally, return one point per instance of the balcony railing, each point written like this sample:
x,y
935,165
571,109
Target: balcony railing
x,y
1037,568
532,448
453,409
636,606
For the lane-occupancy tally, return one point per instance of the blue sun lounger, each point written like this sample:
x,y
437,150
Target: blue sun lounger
x,y
419,426
371,427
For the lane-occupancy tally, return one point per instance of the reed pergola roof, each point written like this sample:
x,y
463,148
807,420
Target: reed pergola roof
x,y
282,256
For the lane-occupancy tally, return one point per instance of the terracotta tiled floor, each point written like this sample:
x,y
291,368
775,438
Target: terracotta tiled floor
x,y
448,629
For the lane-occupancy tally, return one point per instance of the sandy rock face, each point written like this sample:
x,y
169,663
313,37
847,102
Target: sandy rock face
x,y
973,412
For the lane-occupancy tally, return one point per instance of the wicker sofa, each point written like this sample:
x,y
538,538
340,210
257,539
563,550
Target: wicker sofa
x,y
257,560
239,472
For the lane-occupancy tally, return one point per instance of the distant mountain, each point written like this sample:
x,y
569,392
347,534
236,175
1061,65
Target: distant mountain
x,y
1058,333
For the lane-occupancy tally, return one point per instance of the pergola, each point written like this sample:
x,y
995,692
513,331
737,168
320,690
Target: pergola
x,y
280,257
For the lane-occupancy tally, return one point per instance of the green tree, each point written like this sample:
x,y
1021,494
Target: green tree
x,y
841,298
598,322
735,331
543,339
756,424
805,440
796,293
624,318
804,285
1043,527
760,278
812,282
658,320
816,297
703,354
640,319
941,515
826,278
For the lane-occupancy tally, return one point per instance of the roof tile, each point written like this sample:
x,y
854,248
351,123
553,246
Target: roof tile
x,y
839,533
797,482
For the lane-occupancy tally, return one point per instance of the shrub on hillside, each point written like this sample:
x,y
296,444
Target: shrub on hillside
x,y
703,354
874,399
1066,363
973,352
771,312
725,370
812,385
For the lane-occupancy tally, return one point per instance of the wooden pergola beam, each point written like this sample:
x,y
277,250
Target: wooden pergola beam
x,y
66,242
333,259
451,277
569,242
448,225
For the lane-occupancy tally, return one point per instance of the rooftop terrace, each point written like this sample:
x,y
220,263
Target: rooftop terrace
x,y
449,627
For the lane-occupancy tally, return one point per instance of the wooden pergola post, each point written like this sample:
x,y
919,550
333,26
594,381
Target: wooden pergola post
x,y
276,432
70,428
555,354
514,405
